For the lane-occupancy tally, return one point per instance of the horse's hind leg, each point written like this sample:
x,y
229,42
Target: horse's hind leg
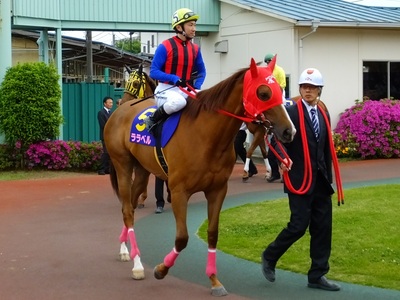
x,y
129,192
139,186
123,250
264,154
249,154
142,198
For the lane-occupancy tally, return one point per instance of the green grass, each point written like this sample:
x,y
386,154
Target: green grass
x,y
38,174
365,246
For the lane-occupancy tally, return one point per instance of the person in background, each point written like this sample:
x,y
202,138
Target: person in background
x,y
240,150
278,73
159,193
118,102
176,62
310,209
102,117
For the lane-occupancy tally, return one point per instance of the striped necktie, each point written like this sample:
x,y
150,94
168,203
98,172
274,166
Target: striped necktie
x,y
315,122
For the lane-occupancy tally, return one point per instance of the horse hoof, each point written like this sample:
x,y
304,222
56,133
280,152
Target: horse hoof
x,y
140,206
218,291
138,274
158,275
124,257
244,179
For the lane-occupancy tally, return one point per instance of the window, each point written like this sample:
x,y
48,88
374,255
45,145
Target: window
x,y
381,80
287,89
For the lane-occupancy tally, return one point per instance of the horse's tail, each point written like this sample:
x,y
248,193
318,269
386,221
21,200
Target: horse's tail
x,y
114,179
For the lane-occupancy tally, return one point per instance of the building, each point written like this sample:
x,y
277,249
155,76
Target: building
x,y
108,62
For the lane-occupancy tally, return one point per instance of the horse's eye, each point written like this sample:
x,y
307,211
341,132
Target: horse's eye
x,y
264,93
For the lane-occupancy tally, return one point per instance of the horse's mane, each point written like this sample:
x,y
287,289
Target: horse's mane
x,y
150,81
214,97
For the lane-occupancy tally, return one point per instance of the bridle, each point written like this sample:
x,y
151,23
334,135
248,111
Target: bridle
x,y
136,84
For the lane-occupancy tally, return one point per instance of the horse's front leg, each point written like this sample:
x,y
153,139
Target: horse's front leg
x,y
179,207
214,201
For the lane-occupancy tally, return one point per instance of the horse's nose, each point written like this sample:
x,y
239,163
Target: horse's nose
x,y
288,134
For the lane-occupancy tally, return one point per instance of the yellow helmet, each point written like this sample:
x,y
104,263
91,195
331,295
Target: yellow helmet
x,y
183,15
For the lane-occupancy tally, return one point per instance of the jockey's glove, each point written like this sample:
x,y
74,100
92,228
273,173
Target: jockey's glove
x,y
180,83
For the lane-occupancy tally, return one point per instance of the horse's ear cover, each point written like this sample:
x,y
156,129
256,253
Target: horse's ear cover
x,y
255,77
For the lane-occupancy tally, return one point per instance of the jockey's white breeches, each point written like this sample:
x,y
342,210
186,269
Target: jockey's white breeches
x,y
173,98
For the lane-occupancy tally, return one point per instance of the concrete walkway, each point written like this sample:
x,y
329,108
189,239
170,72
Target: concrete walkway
x,y
59,240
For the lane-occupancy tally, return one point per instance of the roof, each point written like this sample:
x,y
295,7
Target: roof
x,y
327,12
103,54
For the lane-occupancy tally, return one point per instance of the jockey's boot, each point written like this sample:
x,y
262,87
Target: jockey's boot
x,y
156,117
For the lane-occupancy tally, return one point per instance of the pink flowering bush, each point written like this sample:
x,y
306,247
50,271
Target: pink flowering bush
x,y
52,155
372,127
84,156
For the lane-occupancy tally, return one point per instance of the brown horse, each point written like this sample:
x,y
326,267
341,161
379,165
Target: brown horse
x,y
200,156
259,133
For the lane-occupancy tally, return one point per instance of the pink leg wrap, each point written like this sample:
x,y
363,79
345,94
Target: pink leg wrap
x,y
211,262
134,248
169,260
123,237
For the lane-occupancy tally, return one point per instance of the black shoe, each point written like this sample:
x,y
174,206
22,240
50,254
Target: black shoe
x,y
273,178
268,269
324,284
101,173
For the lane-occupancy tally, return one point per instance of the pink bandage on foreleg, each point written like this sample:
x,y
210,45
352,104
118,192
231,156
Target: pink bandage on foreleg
x,y
169,260
134,248
211,262
123,237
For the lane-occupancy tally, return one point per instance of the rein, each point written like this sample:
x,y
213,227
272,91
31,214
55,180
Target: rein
x,y
191,93
307,178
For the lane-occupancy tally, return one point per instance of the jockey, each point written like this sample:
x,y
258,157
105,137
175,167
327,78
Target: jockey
x,y
278,73
177,61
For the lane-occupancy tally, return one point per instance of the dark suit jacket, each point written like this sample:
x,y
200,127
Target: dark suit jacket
x,y
320,156
102,117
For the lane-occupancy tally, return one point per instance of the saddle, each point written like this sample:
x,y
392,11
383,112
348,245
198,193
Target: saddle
x,y
158,137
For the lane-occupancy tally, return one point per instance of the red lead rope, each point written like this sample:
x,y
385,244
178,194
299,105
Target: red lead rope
x,y
307,179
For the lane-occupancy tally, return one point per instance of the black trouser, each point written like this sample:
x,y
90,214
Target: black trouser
x,y
313,212
104,160
240,150
159,192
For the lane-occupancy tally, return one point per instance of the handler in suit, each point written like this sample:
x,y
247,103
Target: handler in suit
x,y
102,117
313,209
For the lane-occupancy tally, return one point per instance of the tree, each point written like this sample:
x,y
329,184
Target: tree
x,y
30,110
128,45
